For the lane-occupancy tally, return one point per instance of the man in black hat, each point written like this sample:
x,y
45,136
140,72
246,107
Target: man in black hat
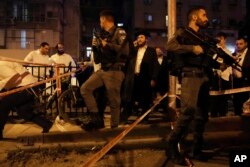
x,y
141,76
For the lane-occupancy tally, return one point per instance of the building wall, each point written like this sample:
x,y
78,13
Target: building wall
x,y
14,53
143,9
223,15
220,10
157,9
71,27
58,22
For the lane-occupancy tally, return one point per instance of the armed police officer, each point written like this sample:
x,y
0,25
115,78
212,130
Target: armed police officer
x,y
193,65
108,50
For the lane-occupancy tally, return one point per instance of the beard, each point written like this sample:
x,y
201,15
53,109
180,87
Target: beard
x,y
141,44
202,24
60,52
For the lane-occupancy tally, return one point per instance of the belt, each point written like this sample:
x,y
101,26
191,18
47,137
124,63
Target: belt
x,y
137,74
193,74
114,67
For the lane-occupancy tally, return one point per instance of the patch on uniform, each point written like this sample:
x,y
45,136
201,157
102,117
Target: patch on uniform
x,y
121,31
122,35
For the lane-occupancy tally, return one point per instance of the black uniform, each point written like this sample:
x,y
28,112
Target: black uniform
x,y
193,71
110,75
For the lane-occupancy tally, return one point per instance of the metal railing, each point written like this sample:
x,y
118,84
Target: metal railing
x,y
51,86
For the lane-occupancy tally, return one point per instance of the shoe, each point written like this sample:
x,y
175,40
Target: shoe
x,y
94,122
42,122
64,126
48,127
179,160
174,155
176,158
59,123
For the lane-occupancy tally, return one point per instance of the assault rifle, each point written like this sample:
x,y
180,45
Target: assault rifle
x,y
210,48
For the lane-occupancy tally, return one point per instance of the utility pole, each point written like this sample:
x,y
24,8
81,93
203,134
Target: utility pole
x,y
171,31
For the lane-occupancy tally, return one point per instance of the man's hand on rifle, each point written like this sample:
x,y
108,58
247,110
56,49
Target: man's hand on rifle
x,y
223,66
197,49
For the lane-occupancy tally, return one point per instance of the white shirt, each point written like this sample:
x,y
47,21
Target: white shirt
x,y
63,59
225,75
236,73
139,57
92,63
9,69
36,57
160,60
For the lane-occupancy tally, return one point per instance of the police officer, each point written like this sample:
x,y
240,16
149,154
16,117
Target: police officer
x,y
108,48
193,66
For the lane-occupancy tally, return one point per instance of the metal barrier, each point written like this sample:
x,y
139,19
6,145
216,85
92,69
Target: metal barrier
x,y
48,96
51,87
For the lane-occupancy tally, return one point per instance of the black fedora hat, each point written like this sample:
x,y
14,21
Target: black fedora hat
x,y
142,32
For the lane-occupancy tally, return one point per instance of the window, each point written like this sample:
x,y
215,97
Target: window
x,y
216,5
20,11
23,39
216,2
120,24
147,2
38,12
148,17
233,2
216,22
23,11
2,37
88,51
178,2
166,20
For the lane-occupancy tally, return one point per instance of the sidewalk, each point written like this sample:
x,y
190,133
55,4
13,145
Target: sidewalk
x,y
220,132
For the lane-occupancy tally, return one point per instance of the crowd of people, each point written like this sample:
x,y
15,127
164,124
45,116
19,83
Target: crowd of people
x,y
129,75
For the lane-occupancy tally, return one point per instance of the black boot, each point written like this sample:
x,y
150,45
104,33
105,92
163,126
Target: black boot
x,y
173,153
42,122
94,122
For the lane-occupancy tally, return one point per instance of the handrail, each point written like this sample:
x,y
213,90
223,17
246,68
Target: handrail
x,y
57,77
229,91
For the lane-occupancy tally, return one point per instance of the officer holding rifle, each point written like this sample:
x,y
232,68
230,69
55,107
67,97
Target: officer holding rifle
x,y
192,62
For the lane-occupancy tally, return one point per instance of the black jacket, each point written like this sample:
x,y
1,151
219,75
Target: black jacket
x,y
148,71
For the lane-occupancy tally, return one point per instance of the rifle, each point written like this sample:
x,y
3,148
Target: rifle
x,y
211,49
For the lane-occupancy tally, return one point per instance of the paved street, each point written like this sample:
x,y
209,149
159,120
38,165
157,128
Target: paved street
x,y
221,133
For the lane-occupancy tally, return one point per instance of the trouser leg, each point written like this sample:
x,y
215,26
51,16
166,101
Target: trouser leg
x,y
200,119
182,125
189,101
113,81
4,112
101,99
9,102
88,88
238,100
